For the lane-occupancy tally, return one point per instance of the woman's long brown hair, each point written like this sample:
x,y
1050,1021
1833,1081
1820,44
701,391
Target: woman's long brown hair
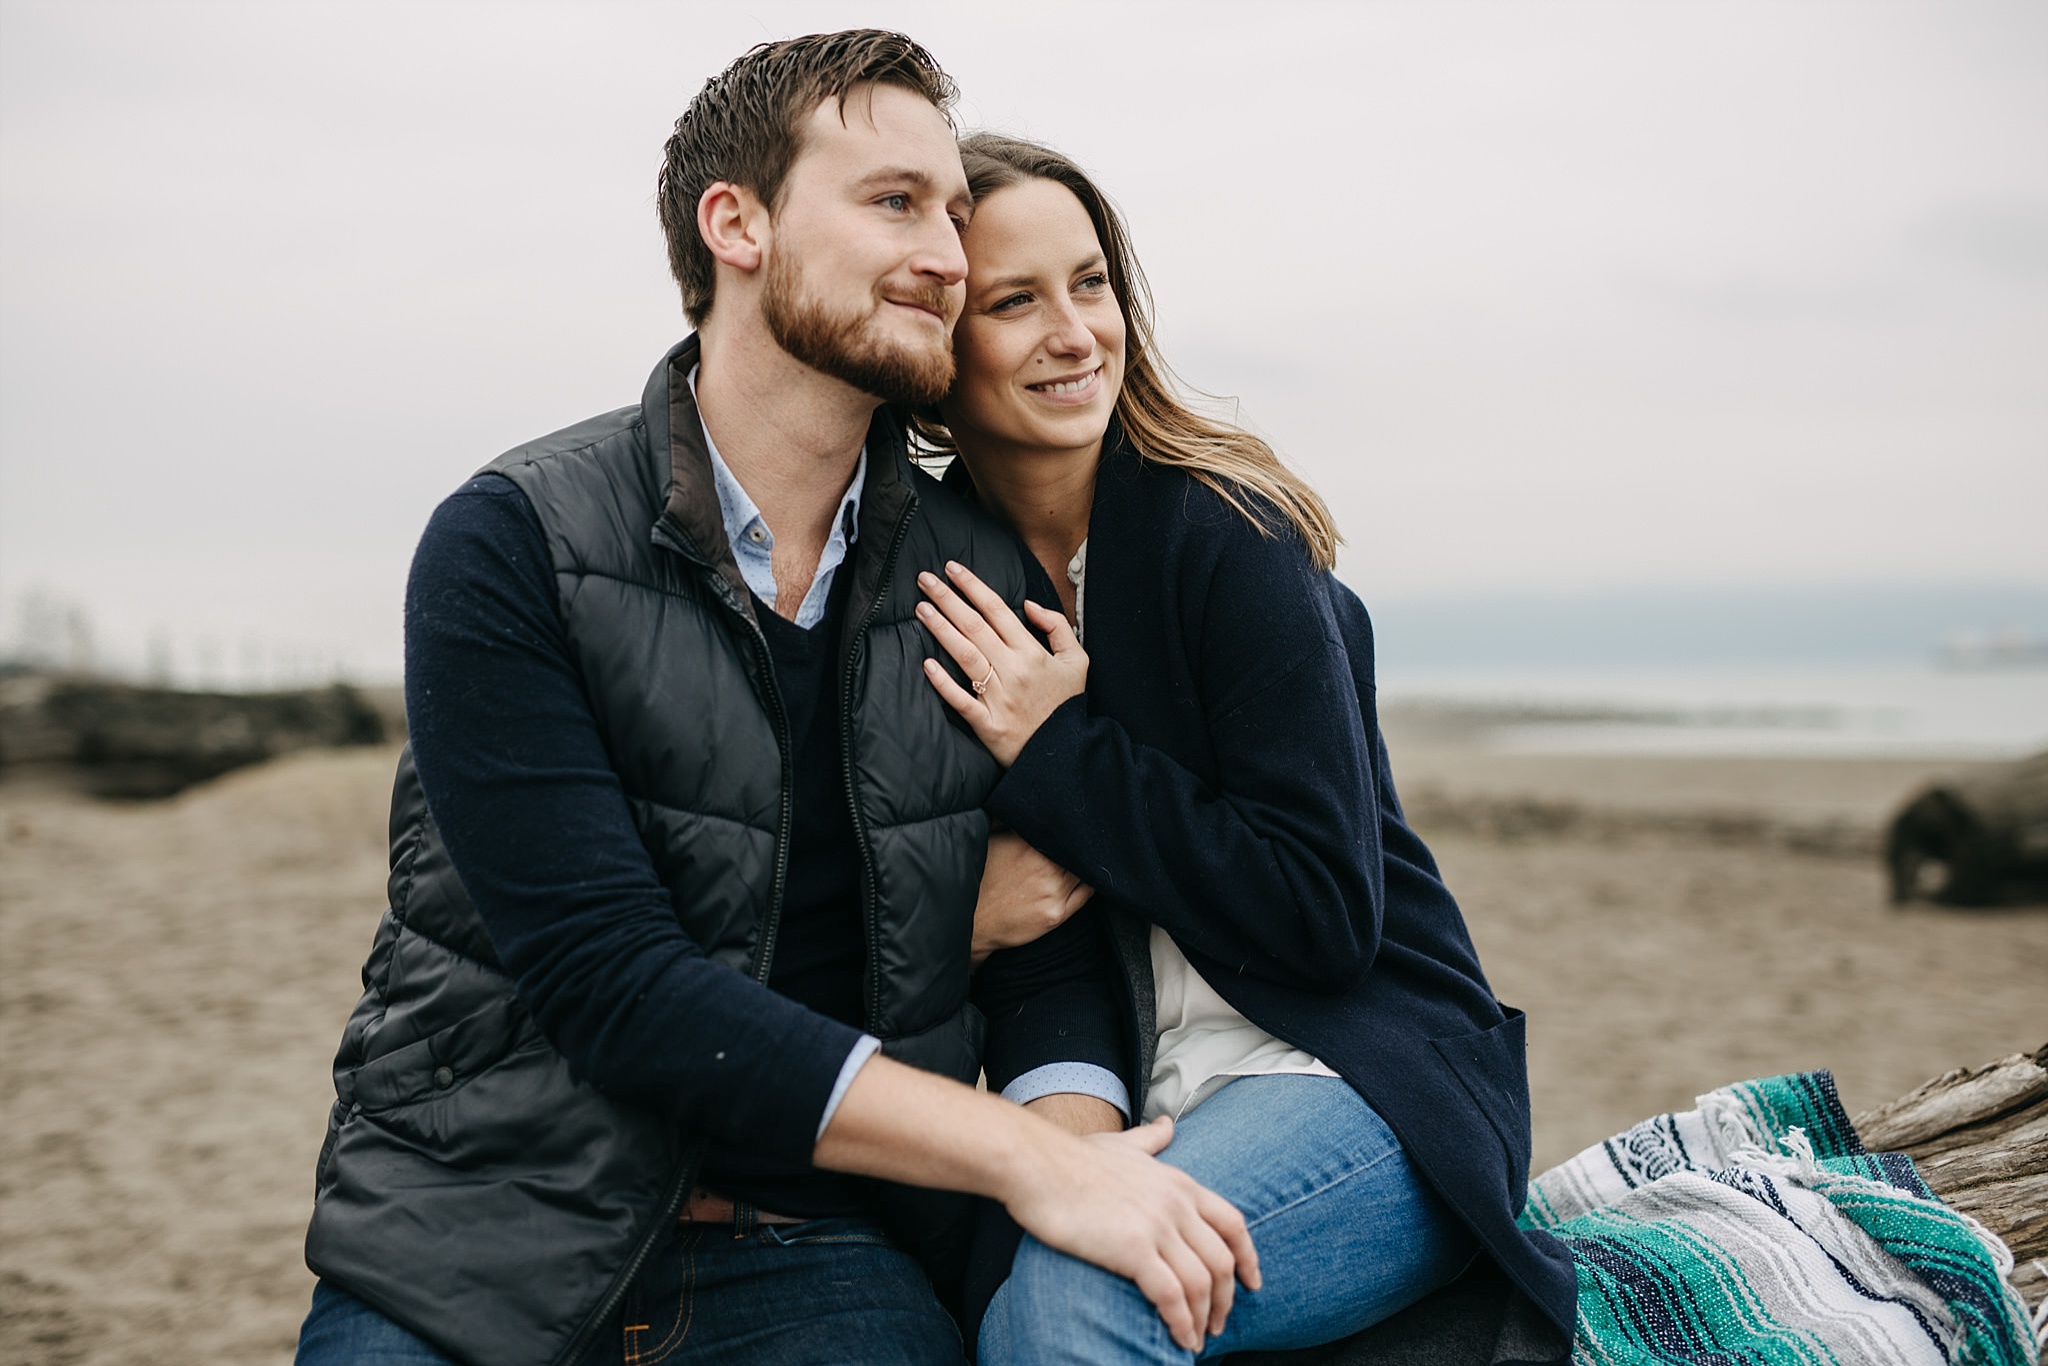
x,y
1157,422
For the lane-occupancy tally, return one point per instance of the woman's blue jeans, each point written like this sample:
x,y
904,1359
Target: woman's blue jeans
x,y
1346,1231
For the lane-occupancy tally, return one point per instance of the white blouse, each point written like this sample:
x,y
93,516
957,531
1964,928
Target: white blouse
x,y
1203,1042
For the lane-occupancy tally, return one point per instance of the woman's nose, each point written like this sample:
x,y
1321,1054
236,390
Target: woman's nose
x,y
1070,335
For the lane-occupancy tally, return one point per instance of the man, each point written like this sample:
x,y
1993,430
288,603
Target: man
x,y
683,836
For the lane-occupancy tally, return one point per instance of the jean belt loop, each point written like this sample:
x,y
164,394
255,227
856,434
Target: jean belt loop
x,y
743,1221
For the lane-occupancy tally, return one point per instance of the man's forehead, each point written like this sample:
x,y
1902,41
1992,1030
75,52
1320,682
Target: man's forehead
x,y
879,126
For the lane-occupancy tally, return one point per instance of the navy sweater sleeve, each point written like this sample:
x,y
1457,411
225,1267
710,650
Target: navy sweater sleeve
x,y
1274,868
534,817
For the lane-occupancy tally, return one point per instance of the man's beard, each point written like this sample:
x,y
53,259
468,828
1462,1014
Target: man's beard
x,y
839,345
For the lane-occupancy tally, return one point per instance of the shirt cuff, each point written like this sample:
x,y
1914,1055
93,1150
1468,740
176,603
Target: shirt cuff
x,y
1069,1078
863,1049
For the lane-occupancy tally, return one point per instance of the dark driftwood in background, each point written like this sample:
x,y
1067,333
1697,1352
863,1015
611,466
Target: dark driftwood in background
x,y
1977,839
1979,1136
119,740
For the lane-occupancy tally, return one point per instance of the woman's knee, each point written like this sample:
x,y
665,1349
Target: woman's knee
x,y
1056,1308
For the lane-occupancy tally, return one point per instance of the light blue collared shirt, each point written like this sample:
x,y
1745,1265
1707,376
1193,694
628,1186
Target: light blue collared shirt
x,y
753,544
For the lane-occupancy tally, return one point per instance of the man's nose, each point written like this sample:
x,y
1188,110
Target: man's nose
x,y
940,258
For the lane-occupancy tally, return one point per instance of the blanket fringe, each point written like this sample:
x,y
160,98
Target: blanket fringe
x,y
1798,1164
2040,1319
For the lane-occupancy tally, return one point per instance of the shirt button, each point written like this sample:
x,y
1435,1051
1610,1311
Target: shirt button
x,y
444,1077
755,534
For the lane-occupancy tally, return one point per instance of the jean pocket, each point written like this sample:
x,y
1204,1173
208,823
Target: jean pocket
x,y
834,1230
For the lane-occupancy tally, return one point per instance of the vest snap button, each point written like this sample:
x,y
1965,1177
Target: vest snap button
x,y
444,1077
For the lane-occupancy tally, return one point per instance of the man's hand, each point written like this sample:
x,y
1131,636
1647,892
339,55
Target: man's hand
x,y
1104,1199
1183,1246
1024,895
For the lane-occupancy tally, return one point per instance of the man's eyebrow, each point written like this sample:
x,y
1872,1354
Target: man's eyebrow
x,y
894,175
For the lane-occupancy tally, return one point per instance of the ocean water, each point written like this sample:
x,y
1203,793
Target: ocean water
x,y
1845,709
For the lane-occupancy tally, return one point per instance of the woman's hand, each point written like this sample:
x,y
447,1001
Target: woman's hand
x,y
1024,895
1016,683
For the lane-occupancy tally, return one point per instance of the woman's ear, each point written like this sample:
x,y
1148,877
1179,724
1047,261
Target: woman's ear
x,y
732,221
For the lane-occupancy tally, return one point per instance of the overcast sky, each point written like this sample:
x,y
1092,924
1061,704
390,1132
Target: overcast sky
x,y
1543,296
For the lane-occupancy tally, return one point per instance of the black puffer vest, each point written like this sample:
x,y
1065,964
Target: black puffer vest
x,y
472,1189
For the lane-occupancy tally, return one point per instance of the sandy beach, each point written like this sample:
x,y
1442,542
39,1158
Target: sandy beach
x,y
176,975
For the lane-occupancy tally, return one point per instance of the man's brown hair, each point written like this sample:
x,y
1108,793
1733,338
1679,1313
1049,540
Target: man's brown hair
x,y
745,127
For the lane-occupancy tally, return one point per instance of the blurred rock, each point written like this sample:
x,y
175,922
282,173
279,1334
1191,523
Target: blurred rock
x,y
118,740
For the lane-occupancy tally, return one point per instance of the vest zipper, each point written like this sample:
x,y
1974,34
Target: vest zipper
x,y
686,1175
764,958
872,987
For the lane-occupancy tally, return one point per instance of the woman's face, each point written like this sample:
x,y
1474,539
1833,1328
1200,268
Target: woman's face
x,y
1040,345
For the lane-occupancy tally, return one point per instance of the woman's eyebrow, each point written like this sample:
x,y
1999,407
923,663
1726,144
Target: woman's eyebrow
x,y
1018,281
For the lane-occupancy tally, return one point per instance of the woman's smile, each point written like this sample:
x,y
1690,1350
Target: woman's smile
x,y
1071,389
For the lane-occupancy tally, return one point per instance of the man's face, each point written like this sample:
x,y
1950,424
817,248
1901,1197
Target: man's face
x,y
864,271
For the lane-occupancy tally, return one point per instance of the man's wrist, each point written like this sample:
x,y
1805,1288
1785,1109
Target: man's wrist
x,y
864,1048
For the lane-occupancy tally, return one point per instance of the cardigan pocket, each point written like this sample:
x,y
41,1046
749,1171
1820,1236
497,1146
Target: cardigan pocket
x,y
1493,1066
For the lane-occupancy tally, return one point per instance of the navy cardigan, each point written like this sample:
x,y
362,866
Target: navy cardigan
x,y
1224,777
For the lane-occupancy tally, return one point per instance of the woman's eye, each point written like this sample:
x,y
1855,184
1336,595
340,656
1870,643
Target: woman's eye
x,y
1091,283
1013,301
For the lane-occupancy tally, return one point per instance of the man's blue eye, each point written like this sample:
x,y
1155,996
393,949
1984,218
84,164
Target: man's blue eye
x,y
897,201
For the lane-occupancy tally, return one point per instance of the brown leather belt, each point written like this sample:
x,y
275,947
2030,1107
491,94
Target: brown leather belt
x,y
709,1207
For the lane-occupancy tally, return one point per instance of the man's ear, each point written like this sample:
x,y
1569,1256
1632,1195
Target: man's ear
x,y
732,220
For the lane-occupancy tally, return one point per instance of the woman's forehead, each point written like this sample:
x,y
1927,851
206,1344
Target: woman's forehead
x,y
1032,225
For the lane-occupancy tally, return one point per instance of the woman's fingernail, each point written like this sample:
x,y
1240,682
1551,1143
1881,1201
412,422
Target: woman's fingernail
x,y
955,567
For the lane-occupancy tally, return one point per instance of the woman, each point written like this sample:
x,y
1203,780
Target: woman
x,y
1309,1007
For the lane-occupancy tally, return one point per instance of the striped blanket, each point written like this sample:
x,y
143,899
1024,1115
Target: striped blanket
x,y
1756,1230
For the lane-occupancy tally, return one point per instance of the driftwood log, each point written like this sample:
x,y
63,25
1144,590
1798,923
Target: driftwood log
x,y
1979,1136
118,740
1975,840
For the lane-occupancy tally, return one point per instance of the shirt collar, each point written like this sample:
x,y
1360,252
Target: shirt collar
x,y
745,531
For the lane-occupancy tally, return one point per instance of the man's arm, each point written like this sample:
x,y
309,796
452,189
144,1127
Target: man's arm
x,y
1056,1024
519,782
1103,1199
1078,1114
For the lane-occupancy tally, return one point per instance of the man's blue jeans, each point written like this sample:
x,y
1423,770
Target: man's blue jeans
x,y
1346,1231
788,1295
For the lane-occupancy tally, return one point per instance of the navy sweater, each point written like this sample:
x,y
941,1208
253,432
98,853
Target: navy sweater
x,y
516,775
1224,777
